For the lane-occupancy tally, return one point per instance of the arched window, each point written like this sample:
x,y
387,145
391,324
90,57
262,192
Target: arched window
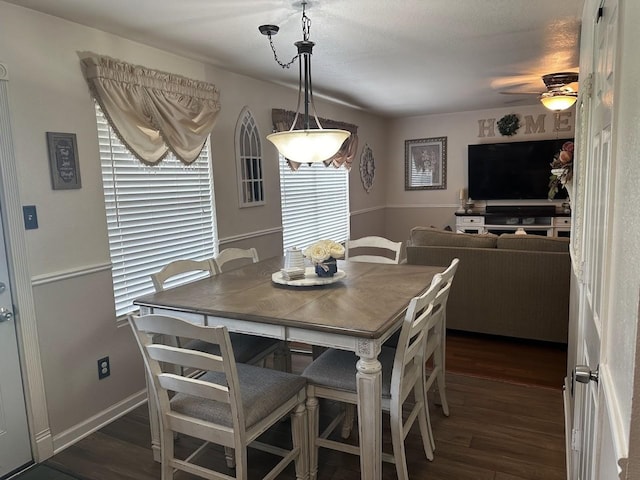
x,y
249,161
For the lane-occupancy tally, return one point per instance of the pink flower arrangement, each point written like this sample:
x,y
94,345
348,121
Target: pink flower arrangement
x,y
561,169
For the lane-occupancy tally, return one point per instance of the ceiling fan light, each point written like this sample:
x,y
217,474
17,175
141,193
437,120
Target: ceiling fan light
x,y
558,101
309,146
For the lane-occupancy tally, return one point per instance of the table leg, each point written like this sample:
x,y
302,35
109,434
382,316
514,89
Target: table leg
x,y
369,383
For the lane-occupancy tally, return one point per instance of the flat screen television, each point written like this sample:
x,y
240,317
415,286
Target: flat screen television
x,y
512,171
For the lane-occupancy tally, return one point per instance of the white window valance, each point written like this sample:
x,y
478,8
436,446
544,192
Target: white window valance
x,y
153,112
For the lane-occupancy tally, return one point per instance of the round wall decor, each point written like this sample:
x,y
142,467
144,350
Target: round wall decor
x,y
509,124
367,168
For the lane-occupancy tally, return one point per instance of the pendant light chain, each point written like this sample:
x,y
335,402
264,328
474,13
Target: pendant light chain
x,y
275,55
306,30
306,144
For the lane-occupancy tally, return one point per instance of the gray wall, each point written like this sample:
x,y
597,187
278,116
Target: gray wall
x,y
406,209
68,255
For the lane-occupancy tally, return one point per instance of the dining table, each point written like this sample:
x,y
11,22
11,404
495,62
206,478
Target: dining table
x,y
356,310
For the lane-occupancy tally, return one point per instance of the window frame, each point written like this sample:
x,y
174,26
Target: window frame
x,y
299,190
249,164
146,223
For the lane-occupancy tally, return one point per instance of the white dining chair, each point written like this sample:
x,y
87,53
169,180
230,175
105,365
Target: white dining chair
x,y
435,341
373,249
333,376
231,258
250,349
181,267
231,405
436,338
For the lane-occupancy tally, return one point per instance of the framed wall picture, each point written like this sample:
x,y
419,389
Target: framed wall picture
x,y
63,161
425,164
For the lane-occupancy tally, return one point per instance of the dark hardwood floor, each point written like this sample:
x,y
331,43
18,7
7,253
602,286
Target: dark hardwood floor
x,y
506,423
512,360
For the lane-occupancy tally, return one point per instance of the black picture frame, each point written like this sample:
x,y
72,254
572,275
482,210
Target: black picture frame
x,y
63,161
425,164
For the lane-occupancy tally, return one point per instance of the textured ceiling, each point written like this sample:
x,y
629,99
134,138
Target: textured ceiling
x,y
391,57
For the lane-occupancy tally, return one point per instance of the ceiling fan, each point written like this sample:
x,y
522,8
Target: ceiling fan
x,y
561,93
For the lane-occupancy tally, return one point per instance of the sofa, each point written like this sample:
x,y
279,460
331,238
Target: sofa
x,y
511,285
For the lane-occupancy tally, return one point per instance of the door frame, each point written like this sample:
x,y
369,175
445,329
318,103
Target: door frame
x,y
17,259
604,446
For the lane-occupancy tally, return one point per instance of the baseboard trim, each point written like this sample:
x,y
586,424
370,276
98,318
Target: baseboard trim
x,y
92,424
44,445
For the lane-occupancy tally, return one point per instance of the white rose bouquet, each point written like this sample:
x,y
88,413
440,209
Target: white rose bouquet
x,y
323,254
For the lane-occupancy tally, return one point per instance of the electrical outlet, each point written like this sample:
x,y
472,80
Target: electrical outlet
x,y
104,369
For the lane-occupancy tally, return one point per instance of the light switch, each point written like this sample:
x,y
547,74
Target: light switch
x,y
30,217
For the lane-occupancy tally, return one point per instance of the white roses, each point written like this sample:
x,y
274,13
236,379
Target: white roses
x,y
322,250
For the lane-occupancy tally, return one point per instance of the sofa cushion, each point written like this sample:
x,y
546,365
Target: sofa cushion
x,y
536,243
430,236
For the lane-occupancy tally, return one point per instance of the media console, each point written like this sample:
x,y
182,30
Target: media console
x,y
534,220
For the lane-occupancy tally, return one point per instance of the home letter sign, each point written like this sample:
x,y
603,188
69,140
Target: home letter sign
x,y
534,126
486,127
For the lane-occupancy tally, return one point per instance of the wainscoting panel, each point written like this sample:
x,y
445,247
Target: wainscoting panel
x,y
76,327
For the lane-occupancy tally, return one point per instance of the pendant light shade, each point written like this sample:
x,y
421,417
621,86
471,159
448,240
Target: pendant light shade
x,y
558,101
306,145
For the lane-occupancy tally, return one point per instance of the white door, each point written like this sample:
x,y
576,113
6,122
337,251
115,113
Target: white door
x,y
594,438
15,448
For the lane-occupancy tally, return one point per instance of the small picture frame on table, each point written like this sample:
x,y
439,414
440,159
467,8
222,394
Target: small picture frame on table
x,y
63,161
425,164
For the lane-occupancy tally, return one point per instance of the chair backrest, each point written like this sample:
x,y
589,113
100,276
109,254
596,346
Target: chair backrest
x,y
179,267
371,244
408,363
166,364
440,302
231,258
435,331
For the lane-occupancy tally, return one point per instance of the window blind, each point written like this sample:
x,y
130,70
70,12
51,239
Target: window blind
x,y
315,204
154,215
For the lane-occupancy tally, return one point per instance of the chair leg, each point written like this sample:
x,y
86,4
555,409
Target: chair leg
x,y
397,440
282,358
313,416
230,457
300,436
424,420
438,360
347,422
166,454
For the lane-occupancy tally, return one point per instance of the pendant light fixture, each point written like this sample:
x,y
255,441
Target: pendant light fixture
x,y
308,144
560,94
